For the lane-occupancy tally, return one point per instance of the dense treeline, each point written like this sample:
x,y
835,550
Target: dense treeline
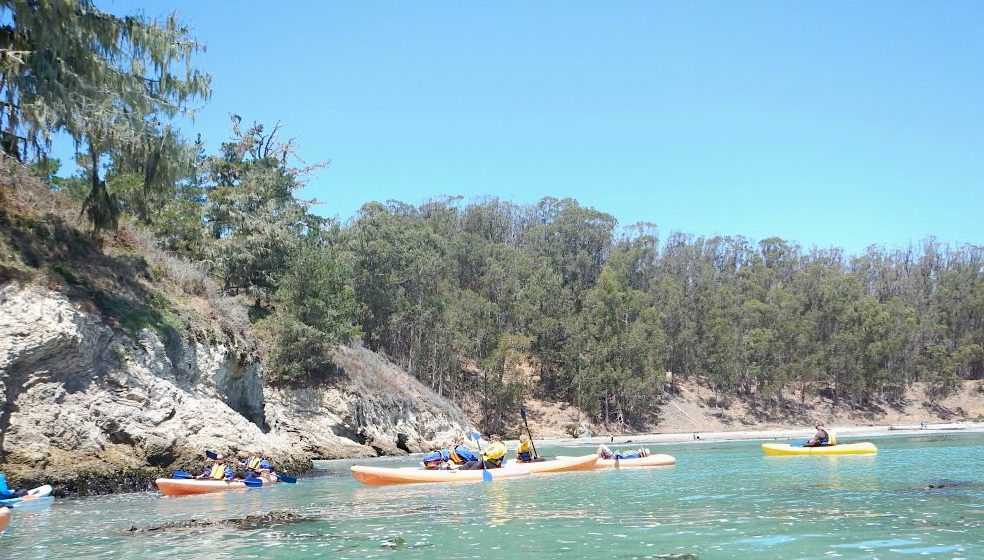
x,y
605,313
488,298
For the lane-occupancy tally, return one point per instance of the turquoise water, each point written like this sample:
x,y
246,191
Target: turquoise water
x,y
721,500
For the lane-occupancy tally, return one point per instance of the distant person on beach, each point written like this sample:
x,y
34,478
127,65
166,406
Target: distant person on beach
x,y
605,453
820,438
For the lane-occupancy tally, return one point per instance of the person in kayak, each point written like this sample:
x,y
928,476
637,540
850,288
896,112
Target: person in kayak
x,y
605,453
524,453
491,458
460,455
219,470
437,460
6,492
494,454
820,438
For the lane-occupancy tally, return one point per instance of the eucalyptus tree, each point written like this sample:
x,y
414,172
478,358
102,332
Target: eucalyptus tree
x,y
111,83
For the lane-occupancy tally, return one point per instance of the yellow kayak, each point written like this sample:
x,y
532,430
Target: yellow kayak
x,y
860,448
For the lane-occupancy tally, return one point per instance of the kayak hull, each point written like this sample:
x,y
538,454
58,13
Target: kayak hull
x,y
562,464
5,516
657,460
34,494
188,487
784,449
378,476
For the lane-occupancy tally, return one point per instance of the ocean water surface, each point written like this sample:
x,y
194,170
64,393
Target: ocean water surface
x,y
721,500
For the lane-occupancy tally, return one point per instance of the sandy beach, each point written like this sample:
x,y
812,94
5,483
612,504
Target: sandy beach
x,y
843,432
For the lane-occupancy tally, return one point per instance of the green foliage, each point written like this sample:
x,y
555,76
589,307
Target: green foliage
x,y
133,317
605,317
111,83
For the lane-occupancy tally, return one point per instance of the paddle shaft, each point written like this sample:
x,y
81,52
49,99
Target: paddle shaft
x,y
486,475
533,445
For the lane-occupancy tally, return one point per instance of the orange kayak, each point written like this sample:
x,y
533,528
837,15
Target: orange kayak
x,y
5,516
185,486
409,475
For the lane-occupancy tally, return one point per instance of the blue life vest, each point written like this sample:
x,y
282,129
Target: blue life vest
x,y
462,454
5,492
634,454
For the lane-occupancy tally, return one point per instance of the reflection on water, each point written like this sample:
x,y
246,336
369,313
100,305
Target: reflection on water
x,y
719,501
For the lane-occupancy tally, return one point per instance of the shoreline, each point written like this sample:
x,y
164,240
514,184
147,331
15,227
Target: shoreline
x,y
765,435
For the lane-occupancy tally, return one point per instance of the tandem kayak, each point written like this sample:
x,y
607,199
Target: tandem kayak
x,y
5,516
561,464
36,493
409,475
186,487
650,461
860,448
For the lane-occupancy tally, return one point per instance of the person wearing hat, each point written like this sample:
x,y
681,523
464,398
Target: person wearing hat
x,y
819,438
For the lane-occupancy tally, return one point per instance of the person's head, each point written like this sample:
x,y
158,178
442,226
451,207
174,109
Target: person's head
x,y
818,425
433,459
524,438
495,437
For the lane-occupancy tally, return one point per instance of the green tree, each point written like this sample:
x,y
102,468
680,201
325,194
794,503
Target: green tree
x,y
112,83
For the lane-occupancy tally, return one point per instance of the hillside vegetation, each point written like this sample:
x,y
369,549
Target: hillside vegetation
x,y
467,296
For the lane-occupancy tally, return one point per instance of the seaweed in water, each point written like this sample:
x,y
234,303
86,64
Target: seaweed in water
x,y
249,522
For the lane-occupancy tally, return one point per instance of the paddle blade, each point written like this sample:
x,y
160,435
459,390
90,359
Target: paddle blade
x,y
486,475
181,474
287,479
253,482
211,454
475,435
522,413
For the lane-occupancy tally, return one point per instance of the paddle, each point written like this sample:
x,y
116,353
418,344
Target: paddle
x,y
182,474
522,413
253,482
211,454
486,475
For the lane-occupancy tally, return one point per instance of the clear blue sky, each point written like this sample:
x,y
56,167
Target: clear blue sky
x,y
826,123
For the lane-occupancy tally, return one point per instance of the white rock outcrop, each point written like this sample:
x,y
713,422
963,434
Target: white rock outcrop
x,y
78,397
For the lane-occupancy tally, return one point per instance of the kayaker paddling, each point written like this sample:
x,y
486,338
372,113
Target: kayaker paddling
x,y
820,438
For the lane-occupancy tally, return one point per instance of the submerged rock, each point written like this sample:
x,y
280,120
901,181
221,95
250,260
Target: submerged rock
x,y
257,521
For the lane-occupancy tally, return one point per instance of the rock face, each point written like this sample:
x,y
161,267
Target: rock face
x,y
78,400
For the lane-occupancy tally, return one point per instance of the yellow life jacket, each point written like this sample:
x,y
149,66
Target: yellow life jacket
x,y
217,472
253,463
831,438
494,452
525,451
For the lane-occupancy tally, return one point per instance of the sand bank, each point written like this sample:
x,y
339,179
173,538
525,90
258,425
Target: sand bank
x,y
805,432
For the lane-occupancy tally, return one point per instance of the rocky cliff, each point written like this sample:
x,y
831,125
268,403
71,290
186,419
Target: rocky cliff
x,y
93,409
